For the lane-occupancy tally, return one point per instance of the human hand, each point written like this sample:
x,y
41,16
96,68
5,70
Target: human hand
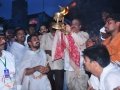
x,y
117,88
48,52
68,28
29,71
42,69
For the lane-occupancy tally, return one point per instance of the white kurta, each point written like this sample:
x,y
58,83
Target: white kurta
x,y
109,79
10,64
32,59
18,51
80,40
47,44
94,82
9,45
76,81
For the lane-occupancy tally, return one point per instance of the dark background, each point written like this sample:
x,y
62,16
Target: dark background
x,y
15,13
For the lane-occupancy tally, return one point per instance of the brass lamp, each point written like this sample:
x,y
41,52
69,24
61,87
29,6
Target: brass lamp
x,y
59,18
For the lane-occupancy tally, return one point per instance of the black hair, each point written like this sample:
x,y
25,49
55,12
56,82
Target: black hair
x,y
114,16
30,37
32,25
19,29
98,53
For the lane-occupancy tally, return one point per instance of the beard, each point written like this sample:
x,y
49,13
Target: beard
x,y
2,46
22,39
37,46
110,31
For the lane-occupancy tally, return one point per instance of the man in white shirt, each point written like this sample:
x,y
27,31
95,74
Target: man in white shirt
x,y
69,47
9,33
75,73
33,68
18,48
43,29
105,74
31,30
56,74
118,88
7,67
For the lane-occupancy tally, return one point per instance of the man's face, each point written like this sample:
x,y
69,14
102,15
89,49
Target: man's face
x,y
2,42
90,43
9,35
75,25
89,65
31,30
43,29
110,25
35,42
20,36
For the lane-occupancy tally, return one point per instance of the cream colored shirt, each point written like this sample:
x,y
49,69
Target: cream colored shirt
x,y
46,43
80,40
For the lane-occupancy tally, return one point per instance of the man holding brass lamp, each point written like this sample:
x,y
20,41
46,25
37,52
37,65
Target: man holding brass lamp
x,y
69,46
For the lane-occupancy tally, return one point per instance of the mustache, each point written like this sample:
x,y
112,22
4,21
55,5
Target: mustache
x,y
37,42
2,44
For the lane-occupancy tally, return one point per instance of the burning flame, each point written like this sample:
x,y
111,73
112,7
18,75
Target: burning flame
x,y
65,10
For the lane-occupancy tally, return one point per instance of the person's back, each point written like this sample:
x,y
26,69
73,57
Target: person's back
x,y
112,79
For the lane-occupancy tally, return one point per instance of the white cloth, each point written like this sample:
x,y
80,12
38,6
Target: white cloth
x,y
32,59
109,78
10,64
76,83
26,44
102,30
94,82
74,74
8,45
80,40
18,51
46,43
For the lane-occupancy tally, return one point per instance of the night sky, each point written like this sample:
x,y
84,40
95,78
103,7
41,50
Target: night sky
x,y
51,6
34,6
88,11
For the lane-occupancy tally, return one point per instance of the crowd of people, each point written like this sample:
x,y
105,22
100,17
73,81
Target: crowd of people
x,y
69,59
